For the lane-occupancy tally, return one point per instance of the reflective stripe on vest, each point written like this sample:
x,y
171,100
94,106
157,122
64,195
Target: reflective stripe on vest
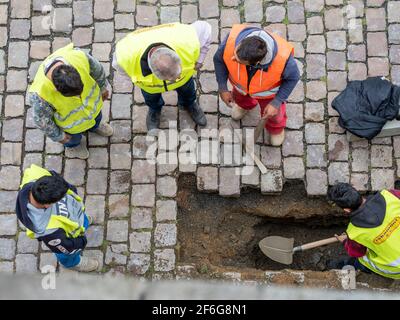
x,y
261,95
371,264
181,38
72,114
71,228
264,84
383,242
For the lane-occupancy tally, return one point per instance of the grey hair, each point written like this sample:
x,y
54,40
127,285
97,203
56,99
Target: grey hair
x,y
165,64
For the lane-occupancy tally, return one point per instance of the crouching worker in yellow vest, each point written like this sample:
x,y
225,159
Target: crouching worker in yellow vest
x,y
372,238
164,58
67,97
52,212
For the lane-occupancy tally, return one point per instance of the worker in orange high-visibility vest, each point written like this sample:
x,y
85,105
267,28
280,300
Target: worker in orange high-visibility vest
x,y
261,68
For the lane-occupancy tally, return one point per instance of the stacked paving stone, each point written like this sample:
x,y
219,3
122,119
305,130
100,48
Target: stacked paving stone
x,y
133,201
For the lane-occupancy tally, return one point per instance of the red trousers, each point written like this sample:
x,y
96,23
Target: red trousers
x,y
274,125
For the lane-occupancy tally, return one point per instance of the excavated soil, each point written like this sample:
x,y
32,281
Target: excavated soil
x,y
226,231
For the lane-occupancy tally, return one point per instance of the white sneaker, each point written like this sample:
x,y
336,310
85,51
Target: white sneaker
x,y
86,265
277,139
80,152
238,112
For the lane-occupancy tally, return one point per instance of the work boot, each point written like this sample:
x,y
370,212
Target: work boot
x,y
153,120
277,139
197,114
104,130
86,265
238,112
80,152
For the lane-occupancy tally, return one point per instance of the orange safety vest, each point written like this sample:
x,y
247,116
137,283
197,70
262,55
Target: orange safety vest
x,y
264,84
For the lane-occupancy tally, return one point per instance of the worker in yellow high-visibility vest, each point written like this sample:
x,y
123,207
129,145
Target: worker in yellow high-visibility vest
x,y
51,210
67,98
164,58
372,238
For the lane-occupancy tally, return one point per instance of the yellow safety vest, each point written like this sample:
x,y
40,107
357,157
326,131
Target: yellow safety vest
x,y
383,242
181,38
72,114
71,228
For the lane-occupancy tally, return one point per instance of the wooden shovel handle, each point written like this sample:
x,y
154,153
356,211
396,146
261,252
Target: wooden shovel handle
x,y
315,244
259,129
256,159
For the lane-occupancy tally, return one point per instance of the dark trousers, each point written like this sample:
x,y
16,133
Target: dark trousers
x,y
186,97
355,263
76,138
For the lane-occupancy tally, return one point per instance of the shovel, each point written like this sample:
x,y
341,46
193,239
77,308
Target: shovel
x,y
259,129
257,132
281,249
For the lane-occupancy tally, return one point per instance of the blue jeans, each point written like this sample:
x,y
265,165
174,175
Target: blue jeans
x,y
76,138
186,97
71,260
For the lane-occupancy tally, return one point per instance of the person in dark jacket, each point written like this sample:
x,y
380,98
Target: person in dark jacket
x,y
372,238
261,68
52,212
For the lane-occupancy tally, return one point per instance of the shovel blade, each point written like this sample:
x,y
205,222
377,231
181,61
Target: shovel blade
x,y
277,248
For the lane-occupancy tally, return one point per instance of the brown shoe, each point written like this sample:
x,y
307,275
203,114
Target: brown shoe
x,y
238,112
104,130
80,152
86,265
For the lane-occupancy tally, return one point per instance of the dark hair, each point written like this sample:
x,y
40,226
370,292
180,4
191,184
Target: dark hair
x,y
67,80
49,189
252,49
345,196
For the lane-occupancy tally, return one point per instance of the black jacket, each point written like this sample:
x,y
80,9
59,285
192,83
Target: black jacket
x,y
57,241
365,106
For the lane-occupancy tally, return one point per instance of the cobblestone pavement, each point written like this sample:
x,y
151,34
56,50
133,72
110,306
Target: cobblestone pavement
x,y
135,210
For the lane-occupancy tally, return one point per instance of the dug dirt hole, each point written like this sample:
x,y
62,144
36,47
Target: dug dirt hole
x,y
225,232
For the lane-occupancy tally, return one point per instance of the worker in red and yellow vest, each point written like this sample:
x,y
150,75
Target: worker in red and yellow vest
x,y
372,238
261,68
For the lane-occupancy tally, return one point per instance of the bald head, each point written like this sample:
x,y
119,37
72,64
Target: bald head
x,y
165,64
